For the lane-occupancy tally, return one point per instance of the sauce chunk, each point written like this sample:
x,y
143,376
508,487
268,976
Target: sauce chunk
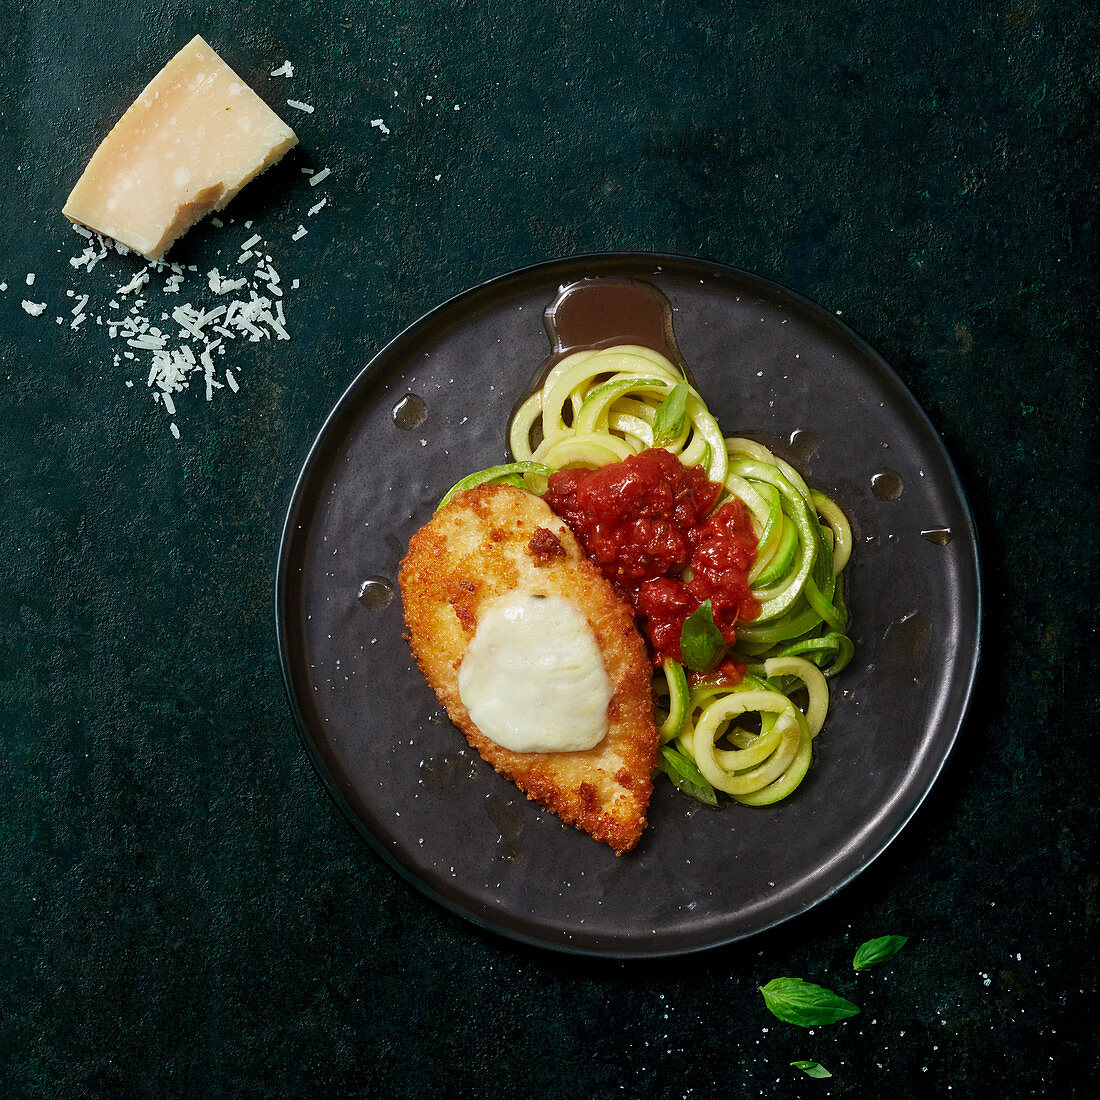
x,y
647,522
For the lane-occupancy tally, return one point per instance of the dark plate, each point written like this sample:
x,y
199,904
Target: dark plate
x,y
770,364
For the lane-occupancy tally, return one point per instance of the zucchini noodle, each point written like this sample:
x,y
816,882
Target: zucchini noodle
x,y
750,741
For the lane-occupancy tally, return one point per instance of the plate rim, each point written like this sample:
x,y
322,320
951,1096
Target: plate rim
x,y
618,951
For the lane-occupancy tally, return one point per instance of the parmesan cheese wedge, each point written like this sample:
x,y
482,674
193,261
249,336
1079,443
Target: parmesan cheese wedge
x,y
193,138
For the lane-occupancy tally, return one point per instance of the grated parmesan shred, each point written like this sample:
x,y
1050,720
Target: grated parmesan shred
x,y
195,332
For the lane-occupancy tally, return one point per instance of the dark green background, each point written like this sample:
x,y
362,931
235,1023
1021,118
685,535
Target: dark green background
x,y
184,911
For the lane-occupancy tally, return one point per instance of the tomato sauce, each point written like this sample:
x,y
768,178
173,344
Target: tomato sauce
x,y
644,521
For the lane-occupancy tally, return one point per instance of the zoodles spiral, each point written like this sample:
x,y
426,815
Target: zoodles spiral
x,y
750,741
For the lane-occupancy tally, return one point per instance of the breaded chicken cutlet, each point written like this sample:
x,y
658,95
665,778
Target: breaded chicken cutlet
x,y
494,540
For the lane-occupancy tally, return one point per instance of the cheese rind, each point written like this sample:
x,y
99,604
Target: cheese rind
x,y
193,138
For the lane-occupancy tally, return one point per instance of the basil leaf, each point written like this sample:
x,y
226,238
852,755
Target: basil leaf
x,y
668,424
700,640
812,1069
685,775
797,1002
878,951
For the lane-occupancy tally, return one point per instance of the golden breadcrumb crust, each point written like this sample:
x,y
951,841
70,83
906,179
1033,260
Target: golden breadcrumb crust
x,y
489,541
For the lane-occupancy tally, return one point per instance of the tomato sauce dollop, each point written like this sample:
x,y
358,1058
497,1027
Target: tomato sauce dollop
x,y
644,521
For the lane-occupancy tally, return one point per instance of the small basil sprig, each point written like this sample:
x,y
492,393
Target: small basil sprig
x,y
812,1069
685,775
700,640
797,1002
878,951
668,423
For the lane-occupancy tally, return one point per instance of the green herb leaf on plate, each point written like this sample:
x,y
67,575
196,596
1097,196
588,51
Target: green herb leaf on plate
x,y
671,416
812,1069
685,775
700,640
797,1002
878,951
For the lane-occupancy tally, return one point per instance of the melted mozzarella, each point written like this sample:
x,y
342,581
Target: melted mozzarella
x,y
533,677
